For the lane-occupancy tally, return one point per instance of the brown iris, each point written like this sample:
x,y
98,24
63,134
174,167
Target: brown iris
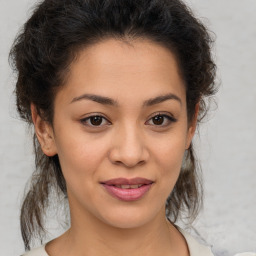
x,y
158,120
96,120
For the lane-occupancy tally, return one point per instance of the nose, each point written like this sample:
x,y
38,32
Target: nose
x,y
128,147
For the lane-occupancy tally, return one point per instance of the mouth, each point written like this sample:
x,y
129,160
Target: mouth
x,y
128,186
125,182
127,189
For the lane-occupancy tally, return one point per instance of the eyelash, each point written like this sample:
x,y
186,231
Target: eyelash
x,y
170,119
85,120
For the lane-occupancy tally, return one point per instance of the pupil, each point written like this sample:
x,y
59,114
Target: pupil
x,y
158,120
96,120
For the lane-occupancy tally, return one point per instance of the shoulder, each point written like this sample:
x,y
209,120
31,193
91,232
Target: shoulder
x,y
195,248
40,251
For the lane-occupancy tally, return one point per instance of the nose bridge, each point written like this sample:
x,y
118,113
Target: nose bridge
x,y
128,145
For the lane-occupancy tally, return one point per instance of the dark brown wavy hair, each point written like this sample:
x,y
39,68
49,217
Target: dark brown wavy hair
x,y
52,38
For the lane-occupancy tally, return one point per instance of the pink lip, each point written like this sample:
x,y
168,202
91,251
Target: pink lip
x,y
130,194
124,181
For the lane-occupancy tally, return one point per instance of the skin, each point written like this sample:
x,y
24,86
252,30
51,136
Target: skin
x,y
127,143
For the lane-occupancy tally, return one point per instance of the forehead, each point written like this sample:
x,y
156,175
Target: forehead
x,y
114,68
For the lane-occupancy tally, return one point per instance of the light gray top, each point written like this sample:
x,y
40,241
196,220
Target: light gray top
x,y
195,248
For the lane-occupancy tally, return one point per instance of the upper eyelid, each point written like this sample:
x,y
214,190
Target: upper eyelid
x,y
88,117
151,116
94,114
162,113
168,115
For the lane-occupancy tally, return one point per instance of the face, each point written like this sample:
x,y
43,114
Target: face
x,y
120,130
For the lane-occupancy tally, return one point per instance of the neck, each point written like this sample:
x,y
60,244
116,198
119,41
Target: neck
x,y
90,236
99,238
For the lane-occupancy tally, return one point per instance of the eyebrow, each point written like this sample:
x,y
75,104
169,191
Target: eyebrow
x,y
160,99
108,101
97,98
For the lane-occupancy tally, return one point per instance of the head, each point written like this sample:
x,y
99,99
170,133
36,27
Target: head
x,y
64,52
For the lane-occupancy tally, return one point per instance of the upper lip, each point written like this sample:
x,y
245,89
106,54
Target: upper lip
x,y
125,181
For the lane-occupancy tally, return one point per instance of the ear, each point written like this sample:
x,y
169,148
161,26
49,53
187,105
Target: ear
x,y
44,133
192,127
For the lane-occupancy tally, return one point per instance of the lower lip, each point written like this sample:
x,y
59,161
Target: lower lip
x,y
130,194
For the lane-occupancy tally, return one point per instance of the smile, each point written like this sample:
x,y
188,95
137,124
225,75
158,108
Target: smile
x,y
128,186
127,189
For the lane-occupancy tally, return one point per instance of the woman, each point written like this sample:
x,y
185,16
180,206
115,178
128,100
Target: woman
x,y
114,91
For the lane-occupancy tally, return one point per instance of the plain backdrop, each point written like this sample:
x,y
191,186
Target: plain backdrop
x,y
226,144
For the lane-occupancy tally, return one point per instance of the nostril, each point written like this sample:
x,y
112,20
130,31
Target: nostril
x,y
141,162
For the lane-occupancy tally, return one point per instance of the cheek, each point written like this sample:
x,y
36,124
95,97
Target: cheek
x,y
80,160
169,151
170,165
168,159
80,155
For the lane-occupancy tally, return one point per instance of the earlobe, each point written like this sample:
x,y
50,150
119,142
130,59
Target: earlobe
x,y
44,133
192,127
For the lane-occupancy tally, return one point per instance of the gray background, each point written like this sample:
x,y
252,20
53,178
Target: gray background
x,y
226,144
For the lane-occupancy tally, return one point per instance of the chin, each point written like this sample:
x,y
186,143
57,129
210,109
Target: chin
x,y
128,218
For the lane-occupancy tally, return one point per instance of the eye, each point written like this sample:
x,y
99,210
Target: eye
x,y
161,120
95,121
